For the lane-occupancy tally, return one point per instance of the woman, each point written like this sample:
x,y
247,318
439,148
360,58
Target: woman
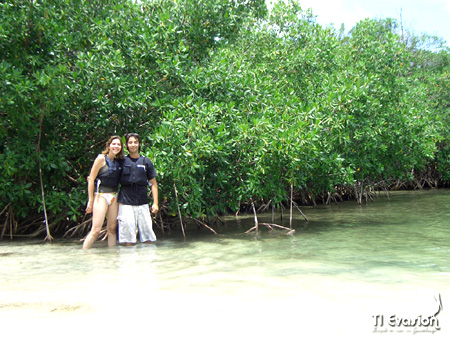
x,y
103,184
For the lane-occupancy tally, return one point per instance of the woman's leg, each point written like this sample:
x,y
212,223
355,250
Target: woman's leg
x,y
111,225
98,217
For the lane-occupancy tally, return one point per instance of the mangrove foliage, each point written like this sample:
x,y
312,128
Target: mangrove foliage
x,y
236,105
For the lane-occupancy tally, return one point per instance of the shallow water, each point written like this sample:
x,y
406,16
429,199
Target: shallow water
x,y
339,271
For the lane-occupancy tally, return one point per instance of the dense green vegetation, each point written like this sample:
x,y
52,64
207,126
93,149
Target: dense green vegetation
x,y
235,104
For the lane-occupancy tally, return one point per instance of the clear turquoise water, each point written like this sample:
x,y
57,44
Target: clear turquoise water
x,y
346,265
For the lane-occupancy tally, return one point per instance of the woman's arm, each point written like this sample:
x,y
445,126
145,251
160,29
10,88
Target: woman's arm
x,y
98,164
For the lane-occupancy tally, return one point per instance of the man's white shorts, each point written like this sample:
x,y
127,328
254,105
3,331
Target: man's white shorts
x,y
134,217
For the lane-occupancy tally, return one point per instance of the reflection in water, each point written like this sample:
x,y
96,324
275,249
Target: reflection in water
x,y
338,272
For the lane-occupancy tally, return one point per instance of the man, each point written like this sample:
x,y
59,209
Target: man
x,y
138,172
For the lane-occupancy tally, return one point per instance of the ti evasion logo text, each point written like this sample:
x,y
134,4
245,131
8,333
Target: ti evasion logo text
x,y
420,323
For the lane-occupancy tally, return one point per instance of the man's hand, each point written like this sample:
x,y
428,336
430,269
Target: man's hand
x,y
155,209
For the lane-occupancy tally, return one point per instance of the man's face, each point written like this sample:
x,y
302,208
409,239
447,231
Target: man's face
x,y
133,145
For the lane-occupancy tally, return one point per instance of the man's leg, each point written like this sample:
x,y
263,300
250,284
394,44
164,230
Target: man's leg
x,y
127,225
146,234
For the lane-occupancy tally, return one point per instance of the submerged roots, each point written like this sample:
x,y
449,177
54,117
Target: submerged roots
x,y
35,226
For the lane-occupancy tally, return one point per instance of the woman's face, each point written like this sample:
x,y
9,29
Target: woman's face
x,y
115,146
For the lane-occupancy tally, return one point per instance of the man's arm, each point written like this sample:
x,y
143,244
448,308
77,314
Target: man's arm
x,y
154,187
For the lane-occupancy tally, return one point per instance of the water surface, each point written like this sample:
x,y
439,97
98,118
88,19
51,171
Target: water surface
x,y
345,266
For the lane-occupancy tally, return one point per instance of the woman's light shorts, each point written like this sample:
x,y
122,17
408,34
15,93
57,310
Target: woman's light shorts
x,y
108,196
134,217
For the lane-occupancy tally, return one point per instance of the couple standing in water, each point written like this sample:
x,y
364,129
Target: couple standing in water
x,y
128,207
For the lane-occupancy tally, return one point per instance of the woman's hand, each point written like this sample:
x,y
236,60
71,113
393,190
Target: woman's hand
x,y
89,207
